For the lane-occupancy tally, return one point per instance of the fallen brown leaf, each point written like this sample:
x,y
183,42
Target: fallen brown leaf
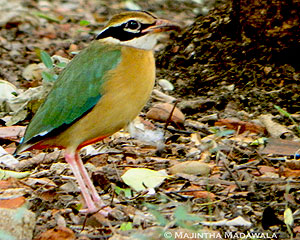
x,y
263,169
199,194
161,112
293,164
275,129
240,126
229,189
191,167
12,133
58,233
12,203
296,229
286,172
10,183
45,182
281,147
49,195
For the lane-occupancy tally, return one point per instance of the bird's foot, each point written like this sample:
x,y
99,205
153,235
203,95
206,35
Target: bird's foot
x,y
97,199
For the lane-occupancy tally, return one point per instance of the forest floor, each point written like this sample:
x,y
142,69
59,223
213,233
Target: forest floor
x,y
228,167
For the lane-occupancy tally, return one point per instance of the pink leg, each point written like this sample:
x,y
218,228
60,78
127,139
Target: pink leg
x,y
71,159
87,180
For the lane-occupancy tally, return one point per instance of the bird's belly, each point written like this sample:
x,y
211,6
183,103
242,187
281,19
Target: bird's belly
x,y
110,115
124,95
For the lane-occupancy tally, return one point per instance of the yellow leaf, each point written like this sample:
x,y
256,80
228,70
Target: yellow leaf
x,y
5,174
288,217
141,179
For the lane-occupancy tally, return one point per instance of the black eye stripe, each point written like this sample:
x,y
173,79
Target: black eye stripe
x,y
120,33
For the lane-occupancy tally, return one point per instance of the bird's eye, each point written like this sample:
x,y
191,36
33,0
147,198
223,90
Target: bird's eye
x,y
133,25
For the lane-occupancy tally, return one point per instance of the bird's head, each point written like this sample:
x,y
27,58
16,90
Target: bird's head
x,y
139,29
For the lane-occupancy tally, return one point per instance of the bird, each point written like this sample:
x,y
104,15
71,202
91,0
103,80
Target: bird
x,y
99,92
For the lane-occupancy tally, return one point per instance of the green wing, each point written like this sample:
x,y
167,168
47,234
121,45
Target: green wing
x,y
76,91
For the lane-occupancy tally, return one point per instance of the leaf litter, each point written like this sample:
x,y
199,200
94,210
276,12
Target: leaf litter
x,y
226,171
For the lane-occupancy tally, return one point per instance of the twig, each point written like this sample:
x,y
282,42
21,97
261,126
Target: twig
x,y
211,203
232,175
170,116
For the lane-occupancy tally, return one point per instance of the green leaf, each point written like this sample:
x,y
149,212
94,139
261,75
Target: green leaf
x,y
259,141
286,114
159,217
127,191
47,17
78,206
181,213
61,64
150,206
118,190
84,23
184,219
126,226
282,112
46,59
225,133
49,77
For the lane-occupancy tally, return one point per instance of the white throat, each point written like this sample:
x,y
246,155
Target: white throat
x,y
146,42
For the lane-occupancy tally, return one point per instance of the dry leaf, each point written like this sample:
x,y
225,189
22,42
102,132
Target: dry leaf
x,y
290,173
58,233
10,183
45,182
281,147
240,126
296,229
7,91
199,194
49,195
34,71
12,133
12,203
161,112
191,167
275,129
293,164
238,221
162,96
7,159
141,179
264,169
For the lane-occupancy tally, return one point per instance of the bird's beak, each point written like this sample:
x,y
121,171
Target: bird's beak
x,y
161,25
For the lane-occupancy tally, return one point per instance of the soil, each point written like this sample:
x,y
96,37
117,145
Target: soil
x,y
236,61
251,62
